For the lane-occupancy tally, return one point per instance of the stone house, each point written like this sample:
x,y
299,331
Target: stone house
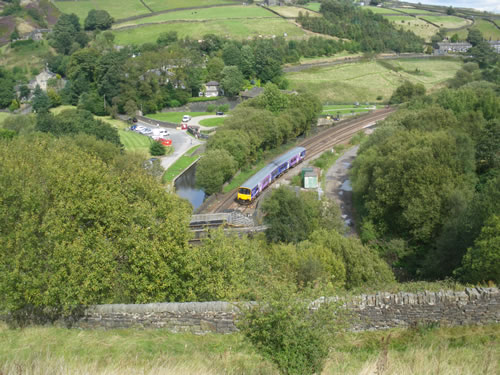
x,y
445,48
211,89
41,80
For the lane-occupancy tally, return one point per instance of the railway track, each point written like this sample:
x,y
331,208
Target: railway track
x,y
315,145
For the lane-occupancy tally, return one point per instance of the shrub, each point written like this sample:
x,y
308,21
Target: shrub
x,y
157,149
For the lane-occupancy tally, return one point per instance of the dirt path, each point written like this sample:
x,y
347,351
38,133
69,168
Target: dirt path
x,y
338,186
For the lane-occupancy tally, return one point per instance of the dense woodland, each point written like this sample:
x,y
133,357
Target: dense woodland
x,y
427,182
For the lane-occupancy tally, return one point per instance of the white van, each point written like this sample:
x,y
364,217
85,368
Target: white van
x,y
159,133
186,118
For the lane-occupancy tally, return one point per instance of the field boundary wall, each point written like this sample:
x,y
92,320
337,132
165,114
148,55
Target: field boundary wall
x,y
473,306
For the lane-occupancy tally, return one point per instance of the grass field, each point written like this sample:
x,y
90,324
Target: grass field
x,y
418,11
180,165
347,109
378,10
218,121
177,116
238,29
49,350
488,30
135,142
289,11
116,8
449,22
158,5
205,14
365,81
313,6
419,27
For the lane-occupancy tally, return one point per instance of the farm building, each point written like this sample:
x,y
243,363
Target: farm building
x,y
446,47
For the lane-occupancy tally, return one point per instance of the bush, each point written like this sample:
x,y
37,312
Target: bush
x,y
211,108
157,149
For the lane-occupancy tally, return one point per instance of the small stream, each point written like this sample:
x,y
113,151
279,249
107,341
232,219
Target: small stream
x,y
185,187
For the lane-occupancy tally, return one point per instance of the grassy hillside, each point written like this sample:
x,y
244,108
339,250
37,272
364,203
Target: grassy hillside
x,y
28,59
365,81
239,29
290,11
458,350
420,27
448,22
313,6
3,116
379,10
221,13
487,28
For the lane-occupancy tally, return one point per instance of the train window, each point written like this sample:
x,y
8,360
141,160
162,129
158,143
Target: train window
x,y
244,191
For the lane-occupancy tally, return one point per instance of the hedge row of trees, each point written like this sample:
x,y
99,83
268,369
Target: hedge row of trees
x,y
255,126
341,18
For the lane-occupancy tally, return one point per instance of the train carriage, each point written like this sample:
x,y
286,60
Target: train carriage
x,y
251,188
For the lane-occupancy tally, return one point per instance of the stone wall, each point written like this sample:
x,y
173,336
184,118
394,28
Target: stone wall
x,y
379,311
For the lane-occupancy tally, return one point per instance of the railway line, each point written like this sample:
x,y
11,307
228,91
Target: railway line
x,y
315,145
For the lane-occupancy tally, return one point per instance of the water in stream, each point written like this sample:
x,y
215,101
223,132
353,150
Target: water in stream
x,y
185,188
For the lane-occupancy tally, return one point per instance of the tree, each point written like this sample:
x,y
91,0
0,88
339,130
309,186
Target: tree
x,y
215,65
406,92
474,37
247,61
289,330
213,169
164,39
93,232
482,262
157,149
98,20
232,80
231,54
272,99
65,32
450,11
41,101
15,35
454,38
6,88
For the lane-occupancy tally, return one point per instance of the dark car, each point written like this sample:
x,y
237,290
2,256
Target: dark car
x,y
219,113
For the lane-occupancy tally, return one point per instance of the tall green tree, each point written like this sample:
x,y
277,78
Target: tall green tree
x,y
214,169
232,80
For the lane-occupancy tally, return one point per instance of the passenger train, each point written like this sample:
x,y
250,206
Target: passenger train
x,y
252,188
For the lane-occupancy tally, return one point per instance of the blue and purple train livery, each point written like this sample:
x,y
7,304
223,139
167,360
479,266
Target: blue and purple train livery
x,y
251,189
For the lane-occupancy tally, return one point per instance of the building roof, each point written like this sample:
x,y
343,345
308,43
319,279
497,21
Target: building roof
x,y
212,83
252,93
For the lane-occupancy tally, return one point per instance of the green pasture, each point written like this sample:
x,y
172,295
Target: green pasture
x,y
419,350
205,14
180,165
346,109
209,122
116,8
378,10
418,11
449,22
365,81
176,116
488,30
158,5
3,116
293,12
420,27
238,29
313,6
337,56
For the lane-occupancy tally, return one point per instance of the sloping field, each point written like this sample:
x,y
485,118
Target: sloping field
x,y
238,29
292,11
158,5
419,27
219,13
418,11
116,8
379,10
365,81
313,6
448,22
488,30
3,116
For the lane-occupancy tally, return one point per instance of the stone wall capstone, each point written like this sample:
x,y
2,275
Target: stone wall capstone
x,y
473,306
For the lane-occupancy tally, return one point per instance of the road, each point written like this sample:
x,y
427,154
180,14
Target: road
x,y
181,141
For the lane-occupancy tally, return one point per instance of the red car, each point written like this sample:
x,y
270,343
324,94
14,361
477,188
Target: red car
x,y
184,126
165,142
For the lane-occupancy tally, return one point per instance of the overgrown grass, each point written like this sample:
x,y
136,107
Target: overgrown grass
x,y
218,121
237,29
420,350
266,158
313,6
29,59
3,116
219,13
177,116
420,27
366,81
180,165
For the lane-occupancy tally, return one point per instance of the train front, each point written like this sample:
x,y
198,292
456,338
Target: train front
x,y
244,195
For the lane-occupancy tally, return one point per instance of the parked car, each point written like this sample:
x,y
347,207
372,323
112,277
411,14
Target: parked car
x,y
139,128
133,127
165,142
159,133
146,131
219,113
184,126
186,118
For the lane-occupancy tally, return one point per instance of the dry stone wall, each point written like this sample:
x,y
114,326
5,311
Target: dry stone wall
x,y
369,312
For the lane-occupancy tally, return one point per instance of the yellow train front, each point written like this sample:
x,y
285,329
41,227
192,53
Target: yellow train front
x,y
251,188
